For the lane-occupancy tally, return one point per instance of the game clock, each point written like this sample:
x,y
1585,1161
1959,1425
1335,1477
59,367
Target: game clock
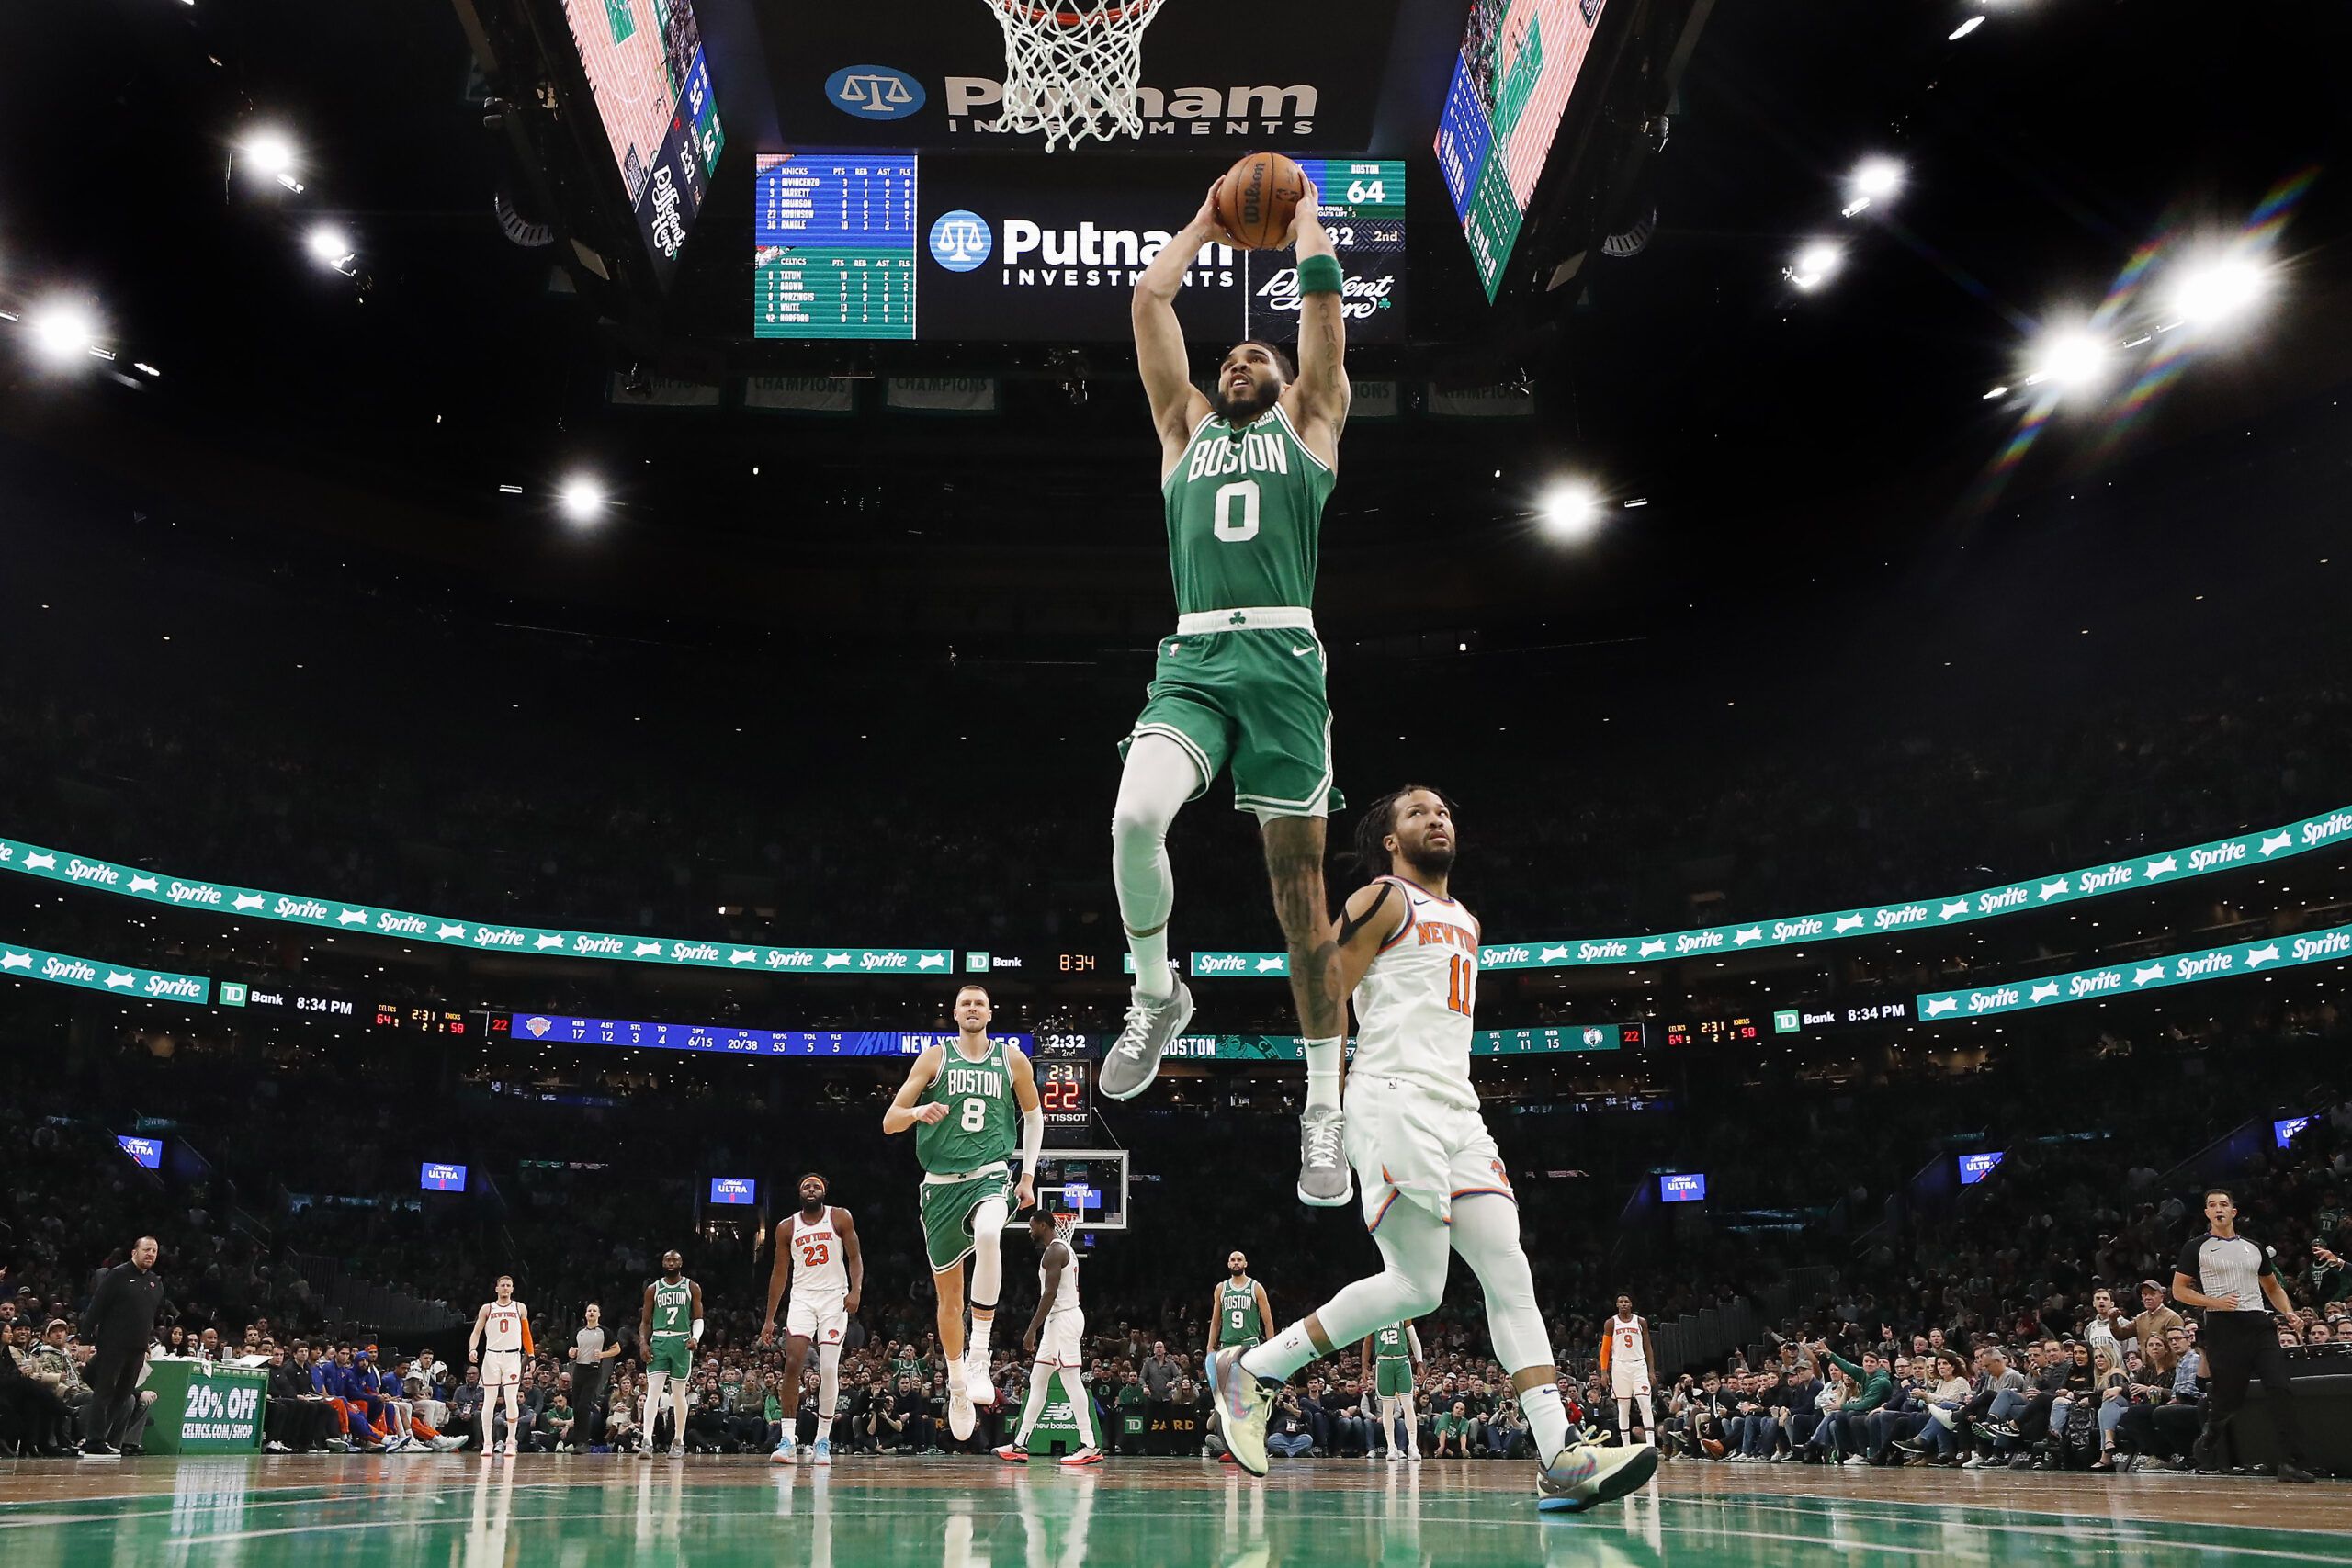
x,y
1066,1089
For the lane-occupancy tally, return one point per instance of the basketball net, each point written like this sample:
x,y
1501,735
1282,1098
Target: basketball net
x,y
1066,1219
1070,67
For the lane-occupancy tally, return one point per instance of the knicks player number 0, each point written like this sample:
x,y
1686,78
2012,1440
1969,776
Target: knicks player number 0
x,y
975,1117
1227,528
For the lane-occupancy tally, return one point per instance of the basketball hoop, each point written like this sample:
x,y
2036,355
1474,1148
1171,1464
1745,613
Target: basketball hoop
x,y
1070,66
1066,1217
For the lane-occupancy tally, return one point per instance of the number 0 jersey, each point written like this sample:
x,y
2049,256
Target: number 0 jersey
x,y
503,1330
1245,515
819,1272
1414,1002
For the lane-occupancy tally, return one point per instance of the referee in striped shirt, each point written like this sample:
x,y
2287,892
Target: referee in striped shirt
x,y
2228,1276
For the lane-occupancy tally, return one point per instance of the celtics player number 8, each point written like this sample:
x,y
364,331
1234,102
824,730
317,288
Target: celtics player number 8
x,y
1227,529
976,1115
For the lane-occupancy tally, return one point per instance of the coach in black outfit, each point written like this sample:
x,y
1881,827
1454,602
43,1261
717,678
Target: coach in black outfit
x,y
2228,1276
121,1323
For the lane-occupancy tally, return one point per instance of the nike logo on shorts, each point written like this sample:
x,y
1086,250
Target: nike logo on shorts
x,y
1302,653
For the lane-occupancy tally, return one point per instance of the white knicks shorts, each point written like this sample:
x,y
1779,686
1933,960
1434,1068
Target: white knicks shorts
x,y
1063,1342
1627,1379
1404,1146
821,1321
502,1369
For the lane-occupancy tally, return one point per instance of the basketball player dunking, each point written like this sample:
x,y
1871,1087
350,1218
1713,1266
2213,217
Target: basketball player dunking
x,y
669,1326
1625,1356
502,1337
1431,1177
959,1098
1244,474
820,1256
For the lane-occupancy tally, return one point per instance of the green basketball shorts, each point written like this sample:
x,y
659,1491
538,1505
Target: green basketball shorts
x,y
1395,1377
671,1354
947,1210
1252,695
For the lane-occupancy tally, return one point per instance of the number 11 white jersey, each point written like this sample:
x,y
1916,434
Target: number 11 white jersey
x,y
1413,1005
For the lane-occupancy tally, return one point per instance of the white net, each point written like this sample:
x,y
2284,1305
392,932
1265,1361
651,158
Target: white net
x,y
1070,67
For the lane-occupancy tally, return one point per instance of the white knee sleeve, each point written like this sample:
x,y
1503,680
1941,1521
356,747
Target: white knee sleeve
x,y
1486,1232
828,1381
988,1252
1160,777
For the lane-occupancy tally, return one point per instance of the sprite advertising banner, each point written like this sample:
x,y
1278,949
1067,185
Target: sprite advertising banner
x,y
2331,946
89,975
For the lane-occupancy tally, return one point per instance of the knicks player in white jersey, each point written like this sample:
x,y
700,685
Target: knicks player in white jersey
x,y
502,1337
1431,1176
1625,1356
820,1256
1056,1345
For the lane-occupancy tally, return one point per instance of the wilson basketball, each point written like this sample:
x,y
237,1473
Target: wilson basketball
x,y
1257,198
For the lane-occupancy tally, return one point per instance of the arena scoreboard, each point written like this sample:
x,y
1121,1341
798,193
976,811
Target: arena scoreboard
x,y
875,243
1065,1068
1518,66
651,80
1714,1031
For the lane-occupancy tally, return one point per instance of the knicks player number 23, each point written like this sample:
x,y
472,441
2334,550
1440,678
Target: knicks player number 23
x,y
814,1254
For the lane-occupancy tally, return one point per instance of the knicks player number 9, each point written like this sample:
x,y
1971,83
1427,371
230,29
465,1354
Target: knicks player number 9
x,y
1231,531
975,1117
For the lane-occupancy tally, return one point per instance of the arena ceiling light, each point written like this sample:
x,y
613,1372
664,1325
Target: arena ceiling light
x,y
1814,265
2069,356
581,498
2208,292
270,153
329,246
1965,29
1570,510
62,331
1873,180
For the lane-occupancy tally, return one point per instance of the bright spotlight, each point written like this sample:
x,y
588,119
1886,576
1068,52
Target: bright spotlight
x,y
1877,178
2070,359
583,498
1965,28
328,245
62,333
1815,264
270,153
2209,292
1570,511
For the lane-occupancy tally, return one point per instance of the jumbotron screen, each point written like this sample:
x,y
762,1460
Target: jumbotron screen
x,y
1518,66
865,242
646,68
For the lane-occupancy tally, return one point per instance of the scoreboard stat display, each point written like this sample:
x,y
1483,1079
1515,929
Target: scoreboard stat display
x,y
882,244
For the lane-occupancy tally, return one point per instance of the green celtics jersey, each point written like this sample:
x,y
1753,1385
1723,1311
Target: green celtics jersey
x,y
1389,1344
1245,512
1236,1309
674,1308
977,1130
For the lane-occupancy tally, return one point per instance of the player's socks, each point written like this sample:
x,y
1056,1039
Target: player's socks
x,y
1323,1059
1276,1359
978,1348
1154,979
1547,1420
824,1428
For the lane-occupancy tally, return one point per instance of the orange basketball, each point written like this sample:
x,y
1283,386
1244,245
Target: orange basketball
x,y
1259,197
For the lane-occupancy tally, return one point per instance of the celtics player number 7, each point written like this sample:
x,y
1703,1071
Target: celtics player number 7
x,y
1245,470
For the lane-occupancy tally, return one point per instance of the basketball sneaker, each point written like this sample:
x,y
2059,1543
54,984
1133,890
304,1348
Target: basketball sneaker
x,y
1242,1403
979,1383
677,1450
961,1417
786,1450
1324,1179
1584,1475
1132,1060
1013,1453
821,1453
1094,1455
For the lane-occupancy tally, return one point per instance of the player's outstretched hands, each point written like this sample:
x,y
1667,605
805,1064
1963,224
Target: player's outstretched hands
x,y
930,1115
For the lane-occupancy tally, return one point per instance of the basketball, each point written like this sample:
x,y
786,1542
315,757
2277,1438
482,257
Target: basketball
x,y
1257,198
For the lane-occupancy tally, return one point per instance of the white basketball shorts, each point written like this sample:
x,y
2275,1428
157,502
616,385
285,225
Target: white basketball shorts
x,y
1064,1340
502,1369
820,1321
1405,1146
